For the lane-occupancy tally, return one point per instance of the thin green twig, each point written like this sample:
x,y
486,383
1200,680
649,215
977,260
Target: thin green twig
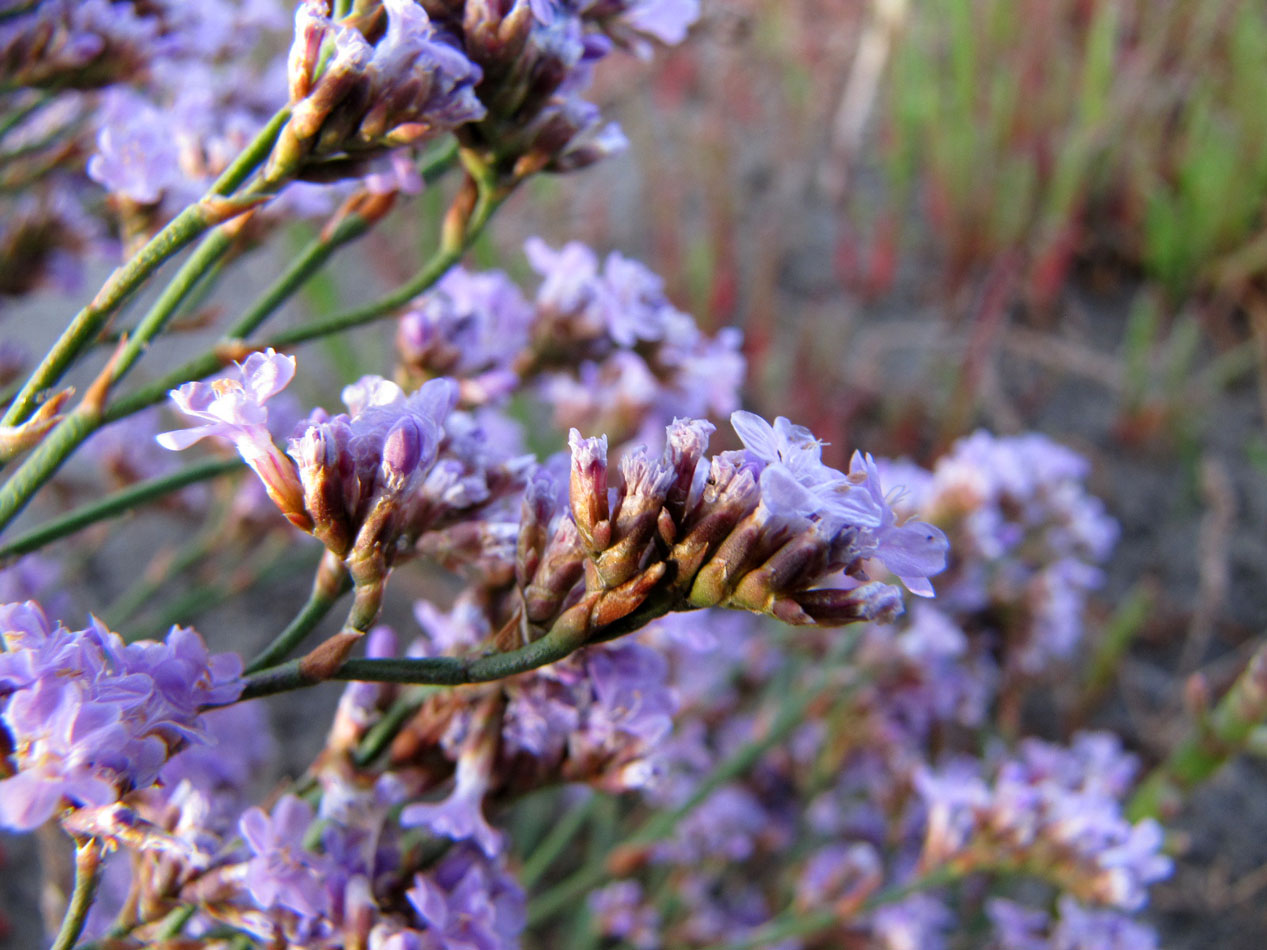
x,y
178,233
118,503
321,599
87,875
561,834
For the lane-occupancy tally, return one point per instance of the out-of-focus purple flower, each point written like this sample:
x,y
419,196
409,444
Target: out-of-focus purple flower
x,y
282,873
461,815
1029,539
918,922
469,901
240,746
1080,928
137,157
725,826
840,873
1017,927
1049,800
35,577
92,718
621,914
630,686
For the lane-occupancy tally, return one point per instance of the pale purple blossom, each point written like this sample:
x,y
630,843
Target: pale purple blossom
x,y
282,873
469,901
231,408
918,922
91,717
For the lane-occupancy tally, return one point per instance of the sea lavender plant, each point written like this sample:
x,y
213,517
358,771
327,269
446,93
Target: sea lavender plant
x,y
606,650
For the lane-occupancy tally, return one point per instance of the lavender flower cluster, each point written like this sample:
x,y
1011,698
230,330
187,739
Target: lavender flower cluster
x,y
89,718
601,346
152,101
603,721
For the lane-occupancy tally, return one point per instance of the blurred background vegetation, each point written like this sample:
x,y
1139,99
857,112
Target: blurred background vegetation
x,y
929,217
1017,214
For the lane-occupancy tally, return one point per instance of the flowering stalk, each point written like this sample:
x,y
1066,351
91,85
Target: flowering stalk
x,y
233,347
182,229
437,671
331,583
76,428
1220,734
465,226
88,854
116,504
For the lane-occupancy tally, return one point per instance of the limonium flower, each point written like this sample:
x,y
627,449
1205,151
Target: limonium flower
x,y
282,873
233,409
91,718
792,470
1061,804
409,86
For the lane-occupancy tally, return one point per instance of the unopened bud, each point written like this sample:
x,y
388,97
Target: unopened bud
x,y
402,451
792,566
562,564
311,25
587,489
538,506
874,601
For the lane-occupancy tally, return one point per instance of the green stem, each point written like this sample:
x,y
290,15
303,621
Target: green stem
x,y
179,232
204,258
117,504
380,735
561,834
45,459
87,874
433,671
1220,734
320,600
143,593
308,262
449,253
18,116
175,922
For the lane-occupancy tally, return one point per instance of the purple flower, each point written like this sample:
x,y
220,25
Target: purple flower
x,y
632,696
1049,800
467,901
623,915
92,718
233,409
666,20
239,746
569,274
471,323
282,873
913,551
459,817
917,921
1080,928
137,157
1017,927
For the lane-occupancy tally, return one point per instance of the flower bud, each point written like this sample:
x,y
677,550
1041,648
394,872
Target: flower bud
x,y
402,451
587,489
